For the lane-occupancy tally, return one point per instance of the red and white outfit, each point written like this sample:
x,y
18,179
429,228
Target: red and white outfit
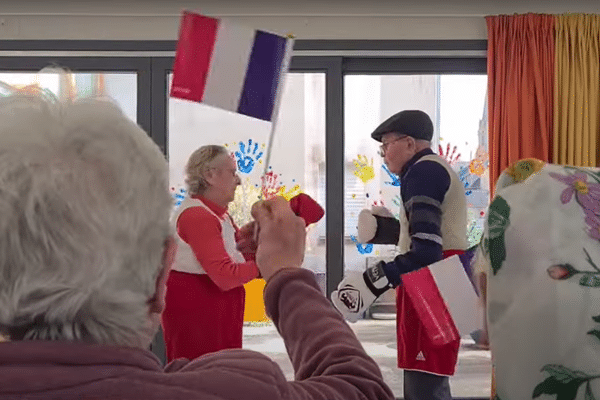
x,y
204,301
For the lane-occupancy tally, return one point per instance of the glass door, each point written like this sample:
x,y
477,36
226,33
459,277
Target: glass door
x,y
456,105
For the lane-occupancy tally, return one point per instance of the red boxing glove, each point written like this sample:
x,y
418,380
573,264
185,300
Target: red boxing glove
x,y
306,208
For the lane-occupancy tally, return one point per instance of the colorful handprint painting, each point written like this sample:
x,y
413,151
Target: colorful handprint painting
x,y
478,166
470,181
362,248
451,157
364,168
288,194
248,155
270,185
394,179
246,194
178,195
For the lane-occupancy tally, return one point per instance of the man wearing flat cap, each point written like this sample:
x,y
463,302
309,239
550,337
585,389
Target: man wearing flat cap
x,y
432,226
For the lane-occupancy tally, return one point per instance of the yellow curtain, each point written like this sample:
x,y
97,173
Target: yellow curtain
x,y
577,90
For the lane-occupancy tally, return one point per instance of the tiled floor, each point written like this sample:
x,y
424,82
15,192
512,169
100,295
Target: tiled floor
x,y
472,378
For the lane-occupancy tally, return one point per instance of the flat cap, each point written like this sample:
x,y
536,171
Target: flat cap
x,y
414,123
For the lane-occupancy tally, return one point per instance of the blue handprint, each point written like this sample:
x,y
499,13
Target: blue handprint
x,y
463,172
179,196
362,248
246,157
395,181
465,178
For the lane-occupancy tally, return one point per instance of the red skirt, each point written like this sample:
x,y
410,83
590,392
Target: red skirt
x,y
428,339
199,318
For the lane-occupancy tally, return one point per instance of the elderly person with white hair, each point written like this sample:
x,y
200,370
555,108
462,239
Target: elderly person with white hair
x,y
85,248
204,304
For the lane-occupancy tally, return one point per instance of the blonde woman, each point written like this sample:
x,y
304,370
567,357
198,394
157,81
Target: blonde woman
x,y
205,296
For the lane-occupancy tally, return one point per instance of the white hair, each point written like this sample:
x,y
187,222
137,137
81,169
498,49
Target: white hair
x,y
422,144
198,164
84,207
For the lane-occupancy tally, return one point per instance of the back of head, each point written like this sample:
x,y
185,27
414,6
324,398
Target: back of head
x,y
84,208
413,123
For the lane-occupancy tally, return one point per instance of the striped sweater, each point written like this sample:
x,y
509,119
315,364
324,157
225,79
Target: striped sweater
x,y
433,217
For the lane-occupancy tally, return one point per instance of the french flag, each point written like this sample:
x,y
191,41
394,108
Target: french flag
x,y
228,66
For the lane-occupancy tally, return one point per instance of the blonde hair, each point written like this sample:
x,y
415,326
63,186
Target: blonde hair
x,y
198,165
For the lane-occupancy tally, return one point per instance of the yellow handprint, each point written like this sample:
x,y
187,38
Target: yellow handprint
x,y
476,167
364,169
245,195
291,193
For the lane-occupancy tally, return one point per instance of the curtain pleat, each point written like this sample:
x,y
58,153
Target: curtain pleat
x,y
577,90
520,89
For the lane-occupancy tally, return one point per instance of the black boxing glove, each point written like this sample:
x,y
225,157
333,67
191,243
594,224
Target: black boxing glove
x,y
378,226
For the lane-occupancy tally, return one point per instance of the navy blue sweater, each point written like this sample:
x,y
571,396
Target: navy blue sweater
x,y
423,187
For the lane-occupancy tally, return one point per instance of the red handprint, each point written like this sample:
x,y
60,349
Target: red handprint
x,y
270,186
449,157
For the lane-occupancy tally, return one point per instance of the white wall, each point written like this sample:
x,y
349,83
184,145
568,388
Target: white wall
x,y
308,19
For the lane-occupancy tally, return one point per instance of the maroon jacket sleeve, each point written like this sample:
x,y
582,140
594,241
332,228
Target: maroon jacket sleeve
x,y
329,361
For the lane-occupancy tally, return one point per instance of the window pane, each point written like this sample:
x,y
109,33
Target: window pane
x,y
297,160
120,86
297,164
463,124
455,103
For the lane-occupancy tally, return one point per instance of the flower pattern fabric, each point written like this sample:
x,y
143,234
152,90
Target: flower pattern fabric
x,y
587,194
541,243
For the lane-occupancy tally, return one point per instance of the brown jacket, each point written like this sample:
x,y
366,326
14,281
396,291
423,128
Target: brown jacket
x,y
328,360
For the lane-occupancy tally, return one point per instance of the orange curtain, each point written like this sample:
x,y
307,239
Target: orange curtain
x,y
520,89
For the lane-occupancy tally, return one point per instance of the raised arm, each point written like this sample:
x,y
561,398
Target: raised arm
x,y
329,361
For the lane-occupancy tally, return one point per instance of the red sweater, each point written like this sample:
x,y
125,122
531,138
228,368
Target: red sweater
x,y
207,244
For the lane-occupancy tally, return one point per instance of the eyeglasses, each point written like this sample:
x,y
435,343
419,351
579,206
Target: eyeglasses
x,y
384,146
232,171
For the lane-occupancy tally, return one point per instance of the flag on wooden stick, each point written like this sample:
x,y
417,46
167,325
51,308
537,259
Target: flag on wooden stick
x,y
228,66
